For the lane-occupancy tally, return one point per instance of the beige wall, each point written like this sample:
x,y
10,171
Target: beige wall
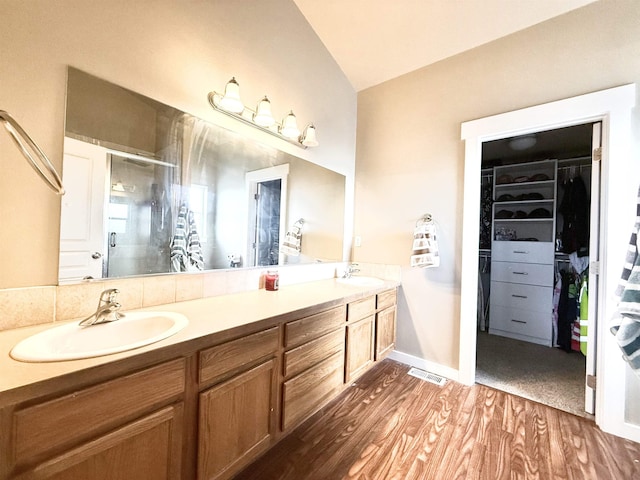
x,y
410,157
174,52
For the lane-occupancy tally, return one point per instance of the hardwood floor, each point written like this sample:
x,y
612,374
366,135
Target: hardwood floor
x,y
394,426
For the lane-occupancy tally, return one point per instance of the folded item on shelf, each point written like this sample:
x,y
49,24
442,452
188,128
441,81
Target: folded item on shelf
x,y
540,213
502,179
532,196
502,214
521,179
520,214
506,198
539,177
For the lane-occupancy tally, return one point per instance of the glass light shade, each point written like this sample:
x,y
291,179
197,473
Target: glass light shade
x,y
290,127
231,100
263,116
309,136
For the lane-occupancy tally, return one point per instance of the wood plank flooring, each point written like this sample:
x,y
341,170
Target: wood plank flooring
x,y
390,425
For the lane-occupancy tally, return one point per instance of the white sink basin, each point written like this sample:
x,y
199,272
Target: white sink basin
x,y
361,281
72,342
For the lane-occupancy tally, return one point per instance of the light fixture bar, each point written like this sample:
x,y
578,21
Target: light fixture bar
x,y
255,118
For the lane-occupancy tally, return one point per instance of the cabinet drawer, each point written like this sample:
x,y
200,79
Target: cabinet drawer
x,y
525,273
524,252
91,411
305,394
528,297
386,299
525,323
310,353
229,356
308,328
361,308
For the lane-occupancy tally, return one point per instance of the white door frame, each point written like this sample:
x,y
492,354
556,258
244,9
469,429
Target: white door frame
x,y
252,179
613,107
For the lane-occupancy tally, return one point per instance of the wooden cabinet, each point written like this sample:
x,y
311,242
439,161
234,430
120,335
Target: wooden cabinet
x,y
237,415
385,323
360,337
313,364
207,413
114,430
236,421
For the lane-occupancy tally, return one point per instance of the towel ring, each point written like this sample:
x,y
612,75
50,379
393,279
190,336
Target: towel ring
x,y
27,146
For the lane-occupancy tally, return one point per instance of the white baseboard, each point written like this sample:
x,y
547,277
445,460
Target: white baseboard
x,y
422,364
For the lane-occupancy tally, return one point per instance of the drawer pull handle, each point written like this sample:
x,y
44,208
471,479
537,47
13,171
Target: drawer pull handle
x,y
520,273
518,296
520,251
518,321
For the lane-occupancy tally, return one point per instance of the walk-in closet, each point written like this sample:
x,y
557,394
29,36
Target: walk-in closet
x,y
533,278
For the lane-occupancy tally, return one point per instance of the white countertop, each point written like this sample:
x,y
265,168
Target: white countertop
x,y
206,316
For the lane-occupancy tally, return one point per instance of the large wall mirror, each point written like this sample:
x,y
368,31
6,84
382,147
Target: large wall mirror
x,y
152,190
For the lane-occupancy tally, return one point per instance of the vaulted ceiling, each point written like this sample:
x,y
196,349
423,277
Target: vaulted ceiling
x,y
376,40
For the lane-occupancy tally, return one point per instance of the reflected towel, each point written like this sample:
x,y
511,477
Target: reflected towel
x,y
186,251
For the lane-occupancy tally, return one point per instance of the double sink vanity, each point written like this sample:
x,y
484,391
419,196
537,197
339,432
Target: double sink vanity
x,y
205,401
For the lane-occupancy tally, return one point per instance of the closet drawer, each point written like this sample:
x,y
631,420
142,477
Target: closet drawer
x,y
525,324
525,273
527,297
524,252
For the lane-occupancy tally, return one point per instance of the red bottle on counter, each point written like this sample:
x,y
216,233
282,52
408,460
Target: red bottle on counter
x,y
271,280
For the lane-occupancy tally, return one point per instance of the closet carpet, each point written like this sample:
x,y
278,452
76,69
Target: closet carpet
x,y
546,375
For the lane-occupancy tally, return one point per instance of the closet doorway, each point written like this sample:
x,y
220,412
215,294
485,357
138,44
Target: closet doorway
x,y
536,212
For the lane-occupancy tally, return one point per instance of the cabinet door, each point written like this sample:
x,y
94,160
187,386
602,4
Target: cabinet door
x,y
360,338
385,332
236,421
148,448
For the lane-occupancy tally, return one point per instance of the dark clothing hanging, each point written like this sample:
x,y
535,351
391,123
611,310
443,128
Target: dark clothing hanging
x,y
485,215
575,214
567,310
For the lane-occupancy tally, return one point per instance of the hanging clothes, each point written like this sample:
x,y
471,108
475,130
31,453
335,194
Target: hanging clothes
x,y
486,203
567,310
575,215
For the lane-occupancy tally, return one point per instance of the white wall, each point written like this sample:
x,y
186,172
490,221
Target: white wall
x,y
172,51
410,157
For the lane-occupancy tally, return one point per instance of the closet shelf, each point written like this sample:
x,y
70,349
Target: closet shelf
x,y
519,220
525,184
525,202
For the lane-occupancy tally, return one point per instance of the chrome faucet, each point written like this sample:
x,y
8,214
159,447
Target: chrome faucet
x,y
107,311
351,269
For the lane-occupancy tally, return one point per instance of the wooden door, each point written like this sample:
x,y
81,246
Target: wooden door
x,y
236,421
146,449
360,347
385,332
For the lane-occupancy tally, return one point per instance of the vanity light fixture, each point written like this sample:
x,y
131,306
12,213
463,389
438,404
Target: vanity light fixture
x,y
308,137
230,104
290,126
230,101
263,116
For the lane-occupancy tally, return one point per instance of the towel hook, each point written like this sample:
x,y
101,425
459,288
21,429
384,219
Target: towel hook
x,y
425,219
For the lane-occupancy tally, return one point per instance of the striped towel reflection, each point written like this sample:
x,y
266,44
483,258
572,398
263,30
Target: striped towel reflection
x,y
186,251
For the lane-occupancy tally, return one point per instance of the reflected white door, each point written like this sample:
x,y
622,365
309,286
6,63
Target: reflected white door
x,y
81,223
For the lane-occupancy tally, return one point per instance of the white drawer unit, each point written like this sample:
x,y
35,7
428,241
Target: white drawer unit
x,y
522,324
523,273
529,297
523,252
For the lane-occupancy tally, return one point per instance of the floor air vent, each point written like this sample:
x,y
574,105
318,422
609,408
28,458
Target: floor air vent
x,y
427,376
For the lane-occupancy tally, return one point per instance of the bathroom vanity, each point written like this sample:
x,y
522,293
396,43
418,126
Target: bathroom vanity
x,y
203,403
